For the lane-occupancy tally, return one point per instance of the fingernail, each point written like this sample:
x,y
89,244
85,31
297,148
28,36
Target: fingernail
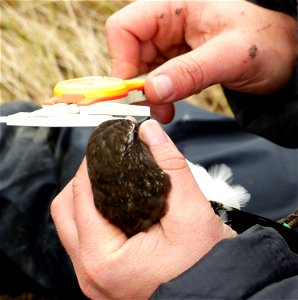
x,y
152,133
163,86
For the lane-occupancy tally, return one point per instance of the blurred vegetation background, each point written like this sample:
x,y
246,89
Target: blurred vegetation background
x,y
44,42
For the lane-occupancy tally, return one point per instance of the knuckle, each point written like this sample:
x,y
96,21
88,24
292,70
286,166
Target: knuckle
x,y
192,74
113,22
177,163
110,22
174,166
54,208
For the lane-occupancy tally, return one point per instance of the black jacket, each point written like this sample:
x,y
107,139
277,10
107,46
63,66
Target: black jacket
x,y
255,265
258,263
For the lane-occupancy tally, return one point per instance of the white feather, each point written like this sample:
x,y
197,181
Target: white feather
x,y
215,185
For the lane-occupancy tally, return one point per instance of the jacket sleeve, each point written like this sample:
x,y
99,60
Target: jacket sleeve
x,y
273,116
255,265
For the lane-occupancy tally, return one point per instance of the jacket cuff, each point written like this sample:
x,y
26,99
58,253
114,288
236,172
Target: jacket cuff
x,y
235,268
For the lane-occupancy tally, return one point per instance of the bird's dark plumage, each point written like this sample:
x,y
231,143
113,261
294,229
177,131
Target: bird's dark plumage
x,y
130,189
128,186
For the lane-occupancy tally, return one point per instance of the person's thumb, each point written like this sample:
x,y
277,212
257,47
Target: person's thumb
x,y
185,196
162,148
226,58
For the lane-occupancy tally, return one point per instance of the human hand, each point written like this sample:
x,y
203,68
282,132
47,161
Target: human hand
x,y
191,45
107,263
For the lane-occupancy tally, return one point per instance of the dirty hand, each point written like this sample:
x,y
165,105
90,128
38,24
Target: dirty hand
x,y
107,263
191,45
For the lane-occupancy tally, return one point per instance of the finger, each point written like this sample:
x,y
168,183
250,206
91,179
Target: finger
x,y
163,113
96,234
130,33
125,64
63,216
226,58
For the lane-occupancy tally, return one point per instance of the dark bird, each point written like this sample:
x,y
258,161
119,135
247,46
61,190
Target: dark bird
x,y
130,189
128,186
